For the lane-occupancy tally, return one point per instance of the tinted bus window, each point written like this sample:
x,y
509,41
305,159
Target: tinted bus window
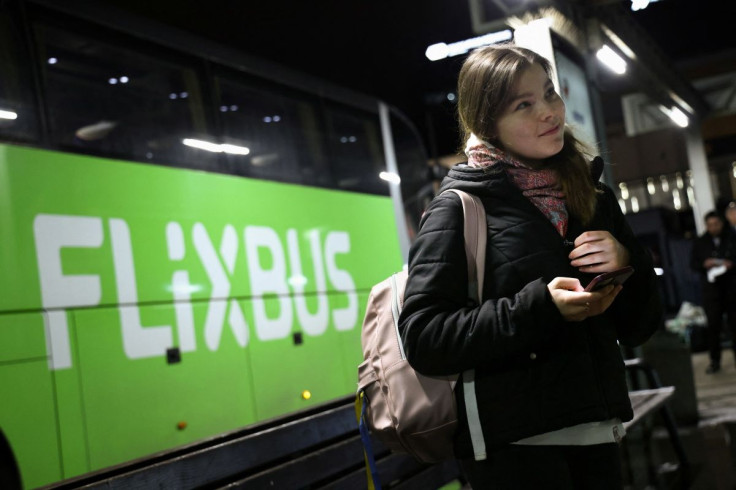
x,y
356,151
417,188
118,102
18,120
278,133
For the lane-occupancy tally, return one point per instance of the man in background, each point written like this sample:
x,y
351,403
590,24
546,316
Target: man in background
x,y
713,257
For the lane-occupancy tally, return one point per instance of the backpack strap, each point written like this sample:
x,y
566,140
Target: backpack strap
x,y
373,481
475,231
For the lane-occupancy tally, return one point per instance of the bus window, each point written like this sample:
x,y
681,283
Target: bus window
x,y
279,133
356,150
114,101
417,188
18,119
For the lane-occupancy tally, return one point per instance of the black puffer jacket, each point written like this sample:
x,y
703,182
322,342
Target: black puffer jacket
x,y
535,372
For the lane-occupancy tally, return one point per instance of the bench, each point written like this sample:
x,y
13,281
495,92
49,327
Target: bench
x,y
318,448
652,401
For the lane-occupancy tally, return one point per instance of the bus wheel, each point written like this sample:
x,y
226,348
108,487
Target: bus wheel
x,y
9,475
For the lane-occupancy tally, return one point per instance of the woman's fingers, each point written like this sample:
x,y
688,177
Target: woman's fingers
x,y
566,283
598,251
577,305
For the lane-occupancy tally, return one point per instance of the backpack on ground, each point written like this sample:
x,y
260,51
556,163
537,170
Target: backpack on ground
x,y
407,411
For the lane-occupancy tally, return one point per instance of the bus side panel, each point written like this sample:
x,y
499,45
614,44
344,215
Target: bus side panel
x,y
26,399
196,261
136,407
299,369
73,435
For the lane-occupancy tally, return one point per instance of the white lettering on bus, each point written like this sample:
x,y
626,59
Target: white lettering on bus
x,y
138,340
313,324
271,280
220,285
60,291
181,289
338,242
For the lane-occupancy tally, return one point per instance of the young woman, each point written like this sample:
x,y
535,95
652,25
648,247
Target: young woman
x,y
542,353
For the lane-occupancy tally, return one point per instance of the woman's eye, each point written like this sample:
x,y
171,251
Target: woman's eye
x,y
551,93
523,105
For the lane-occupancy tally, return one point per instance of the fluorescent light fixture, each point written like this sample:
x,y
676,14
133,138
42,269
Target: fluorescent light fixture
x,y
8,114
659,271
216,148
234,149
691,196
641,4
677,116
437,51
624,190
611,59
622,205
676,199
390,177
650,186
634,205
441,51
665,184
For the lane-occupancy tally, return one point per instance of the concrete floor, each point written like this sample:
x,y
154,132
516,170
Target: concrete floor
x,y
716,393
711,447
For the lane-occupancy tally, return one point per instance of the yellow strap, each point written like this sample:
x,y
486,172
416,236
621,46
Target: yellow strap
x,y
358,412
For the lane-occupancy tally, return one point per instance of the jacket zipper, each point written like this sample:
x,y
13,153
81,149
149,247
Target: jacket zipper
x,y
567,243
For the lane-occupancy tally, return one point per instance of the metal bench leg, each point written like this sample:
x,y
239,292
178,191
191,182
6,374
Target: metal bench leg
x,y
677,445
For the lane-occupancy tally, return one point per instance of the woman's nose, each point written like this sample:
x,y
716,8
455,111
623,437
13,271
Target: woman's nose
x,y
546,111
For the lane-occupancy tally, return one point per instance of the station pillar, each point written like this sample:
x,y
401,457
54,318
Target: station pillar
x,y
698,162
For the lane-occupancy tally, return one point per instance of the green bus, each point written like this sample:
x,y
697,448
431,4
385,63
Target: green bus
x,y
188,236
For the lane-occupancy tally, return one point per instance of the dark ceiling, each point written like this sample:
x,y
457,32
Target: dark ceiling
x,y
377,47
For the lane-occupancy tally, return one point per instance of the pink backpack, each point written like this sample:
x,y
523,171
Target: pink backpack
x,y
407,411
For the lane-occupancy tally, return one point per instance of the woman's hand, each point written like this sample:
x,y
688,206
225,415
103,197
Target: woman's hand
x,y
575,304
598,251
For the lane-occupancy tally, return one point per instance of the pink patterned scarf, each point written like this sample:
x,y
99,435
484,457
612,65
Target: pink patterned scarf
x,y
539,186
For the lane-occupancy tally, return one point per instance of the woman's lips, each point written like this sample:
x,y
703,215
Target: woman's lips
x,y
551,131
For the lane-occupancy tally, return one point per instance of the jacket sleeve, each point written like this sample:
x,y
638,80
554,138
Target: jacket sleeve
x,y
637,310
442,330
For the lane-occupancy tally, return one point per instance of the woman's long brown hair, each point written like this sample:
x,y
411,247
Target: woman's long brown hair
x,y
485,85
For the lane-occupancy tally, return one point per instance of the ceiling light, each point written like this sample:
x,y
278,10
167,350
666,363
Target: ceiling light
x,y
216,148
8,114
677,116
440,51
611,59
390,177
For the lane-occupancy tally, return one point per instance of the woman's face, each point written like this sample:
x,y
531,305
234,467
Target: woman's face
x,y
531,128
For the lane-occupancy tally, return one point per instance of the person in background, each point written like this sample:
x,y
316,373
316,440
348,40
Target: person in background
x,y
713,257
539,354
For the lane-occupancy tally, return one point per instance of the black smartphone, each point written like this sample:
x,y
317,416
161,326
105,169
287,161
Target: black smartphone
x,y
614,277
